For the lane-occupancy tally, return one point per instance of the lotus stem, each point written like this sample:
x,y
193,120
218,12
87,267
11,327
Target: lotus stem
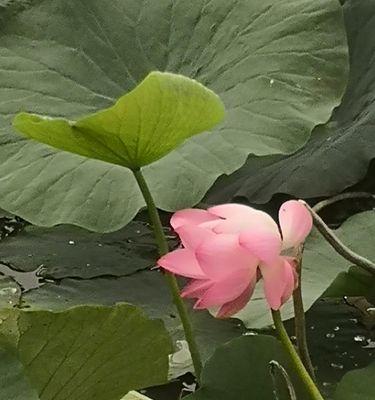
x,y
340,247
298,366
340,197
273,365
300,320
170,278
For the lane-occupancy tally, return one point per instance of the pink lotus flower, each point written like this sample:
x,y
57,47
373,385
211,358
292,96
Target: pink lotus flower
x,y
228,248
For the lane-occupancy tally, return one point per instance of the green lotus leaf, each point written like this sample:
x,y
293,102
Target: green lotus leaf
x,y
85,353
338,153
233,374
143,126
357,385
14,384
66,266
279,66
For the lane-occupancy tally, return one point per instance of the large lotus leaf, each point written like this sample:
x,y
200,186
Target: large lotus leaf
x,y
143,126
233,374
321,168
82,267
321,265
10,292
135,396
90,352
68,251
145,289
357,385
354,282
278,65
13,383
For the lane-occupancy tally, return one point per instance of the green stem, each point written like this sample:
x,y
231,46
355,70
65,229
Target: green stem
x,y
300,331
299,318
171,279
296,361
338,245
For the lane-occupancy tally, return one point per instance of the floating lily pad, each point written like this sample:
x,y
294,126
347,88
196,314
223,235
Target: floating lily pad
x,y
68,251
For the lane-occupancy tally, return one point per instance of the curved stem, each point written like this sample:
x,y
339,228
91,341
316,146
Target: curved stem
x,y
296,361
340,197
171,279
275,365
299,319
336,243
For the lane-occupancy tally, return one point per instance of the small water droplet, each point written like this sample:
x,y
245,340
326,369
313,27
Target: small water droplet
x,y
100,245
325,384
359,338
249,333
293,338
88,265
337,366
330,335
189,387
319,78
355,320
138,231
336,328
272,81
312,327
71,242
